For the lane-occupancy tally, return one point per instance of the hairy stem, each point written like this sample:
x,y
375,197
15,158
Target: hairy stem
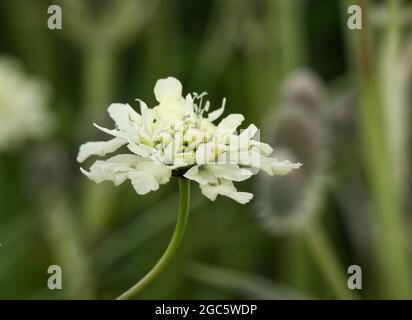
x,y
183,214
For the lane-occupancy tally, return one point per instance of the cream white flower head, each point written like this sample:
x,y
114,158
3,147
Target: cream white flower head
x,y
178,137
23,100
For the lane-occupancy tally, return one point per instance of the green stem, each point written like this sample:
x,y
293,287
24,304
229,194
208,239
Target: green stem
x,y
328,263
184,187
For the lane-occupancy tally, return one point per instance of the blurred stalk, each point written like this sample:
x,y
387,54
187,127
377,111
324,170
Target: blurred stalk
x,y
394,88
283,51
29,34
248,286
327,261
98,86
101,37
289,16
67,251
47,180
378,155
99,65
286,52
98,83
221,37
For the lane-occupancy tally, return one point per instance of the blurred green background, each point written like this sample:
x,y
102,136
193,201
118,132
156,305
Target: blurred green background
x,y
338,100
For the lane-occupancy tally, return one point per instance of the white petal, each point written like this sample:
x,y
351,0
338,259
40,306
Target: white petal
x,y
204,153
231,122
133,138
143,183
169,154
160,172
228,171
129,160
243,157
188,105
115,169
248,133
100,172
264,148
273,166
212,116
141,150
100,148
146,115
209,191
225,188
241,197
200,176
145,175
168,89
228,189
124,116
242,141
112,132
148,176
118,110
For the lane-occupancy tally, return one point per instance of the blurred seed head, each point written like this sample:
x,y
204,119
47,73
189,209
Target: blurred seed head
x,y
296,129
303,87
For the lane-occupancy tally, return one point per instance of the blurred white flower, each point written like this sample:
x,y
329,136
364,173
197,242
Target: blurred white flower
x,y
177,138
23,100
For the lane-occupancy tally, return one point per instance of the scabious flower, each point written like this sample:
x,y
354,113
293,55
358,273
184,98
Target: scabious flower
x,y
22,106
178,137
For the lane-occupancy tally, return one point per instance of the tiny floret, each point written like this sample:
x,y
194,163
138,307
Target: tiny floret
x,y
179,137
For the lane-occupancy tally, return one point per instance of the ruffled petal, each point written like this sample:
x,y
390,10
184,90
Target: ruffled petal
x,y
225,188
273,166
230,123
127,120
248,134
264,148
145,175
143,183
230,172
142,150
159,171
99,148
115,169
200,176
148,176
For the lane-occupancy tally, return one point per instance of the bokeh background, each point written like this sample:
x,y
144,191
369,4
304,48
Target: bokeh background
x,y
337,100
